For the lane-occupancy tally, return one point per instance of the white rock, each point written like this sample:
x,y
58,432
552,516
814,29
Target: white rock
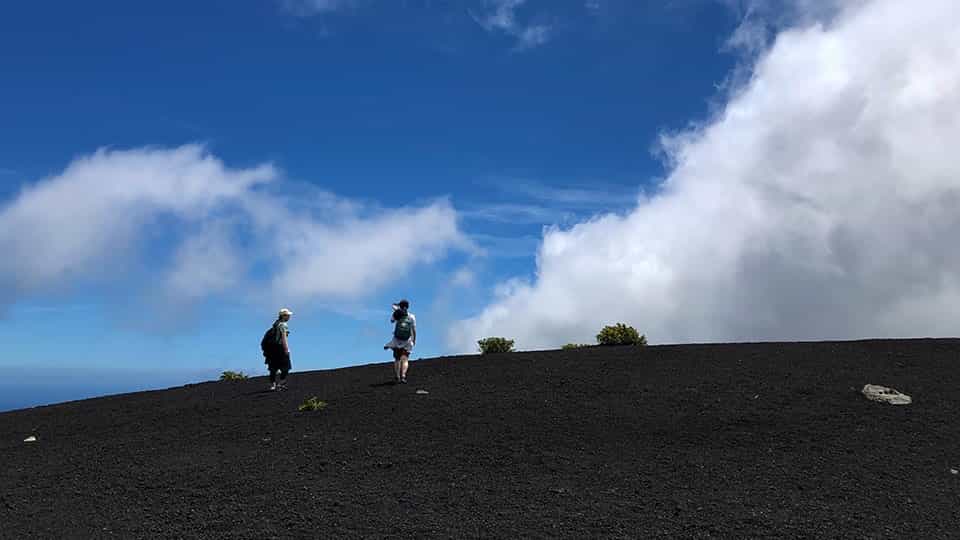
x,y
30,439
422,392
954,471
883,394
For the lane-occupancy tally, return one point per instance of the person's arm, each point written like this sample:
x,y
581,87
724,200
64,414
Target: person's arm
x,y
414,331
283,339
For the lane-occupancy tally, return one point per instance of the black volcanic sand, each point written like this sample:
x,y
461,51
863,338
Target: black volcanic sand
x,y
734,441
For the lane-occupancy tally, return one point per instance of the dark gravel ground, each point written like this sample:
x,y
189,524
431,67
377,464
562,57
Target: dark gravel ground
x,y
694,441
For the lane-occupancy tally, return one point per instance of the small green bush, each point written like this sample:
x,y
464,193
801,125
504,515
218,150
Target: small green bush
x,y
233,376
620,334
570,346
313,404
493,345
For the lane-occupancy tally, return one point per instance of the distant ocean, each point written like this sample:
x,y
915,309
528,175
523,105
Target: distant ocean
x,y
22,387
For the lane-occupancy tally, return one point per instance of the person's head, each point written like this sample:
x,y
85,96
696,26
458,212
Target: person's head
x,y
400,310
285,314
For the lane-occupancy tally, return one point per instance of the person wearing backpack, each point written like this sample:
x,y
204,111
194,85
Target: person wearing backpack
x,y
404,339
276,350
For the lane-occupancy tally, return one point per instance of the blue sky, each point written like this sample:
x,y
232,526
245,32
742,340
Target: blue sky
x,y
373,102
172,173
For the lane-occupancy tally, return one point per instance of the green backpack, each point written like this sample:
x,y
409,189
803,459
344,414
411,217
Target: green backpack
x,y
404,328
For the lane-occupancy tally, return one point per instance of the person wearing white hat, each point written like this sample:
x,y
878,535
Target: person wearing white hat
x,y
281,360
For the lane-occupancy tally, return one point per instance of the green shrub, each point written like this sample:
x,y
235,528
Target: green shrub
x,y
492,345
570,346
232,376
620,334
312,404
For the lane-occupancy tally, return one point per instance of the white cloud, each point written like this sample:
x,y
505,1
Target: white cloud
x,y
68,225
820,203
349,258
502,18
206,263
115,210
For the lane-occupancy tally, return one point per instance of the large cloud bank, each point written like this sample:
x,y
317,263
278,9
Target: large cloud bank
x,y
823,201
179,222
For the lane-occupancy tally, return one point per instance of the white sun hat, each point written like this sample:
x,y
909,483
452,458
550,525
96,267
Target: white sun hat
x,y
285,311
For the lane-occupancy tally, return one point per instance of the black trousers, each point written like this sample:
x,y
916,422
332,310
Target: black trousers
x,y
279,363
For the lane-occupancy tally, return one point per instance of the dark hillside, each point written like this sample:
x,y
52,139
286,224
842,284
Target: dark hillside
x,y
692,441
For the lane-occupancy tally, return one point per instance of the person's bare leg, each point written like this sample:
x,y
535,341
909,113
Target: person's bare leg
x,y
404,364
396,366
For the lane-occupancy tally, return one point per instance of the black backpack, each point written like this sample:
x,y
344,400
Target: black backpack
x,y
269,344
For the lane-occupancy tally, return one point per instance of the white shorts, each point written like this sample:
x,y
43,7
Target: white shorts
x,y
406,344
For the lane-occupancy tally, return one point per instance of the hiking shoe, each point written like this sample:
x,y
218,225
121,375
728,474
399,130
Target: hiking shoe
x,y
282,386
273,387
403,380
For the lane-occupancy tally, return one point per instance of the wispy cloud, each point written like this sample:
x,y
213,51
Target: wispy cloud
x,y
518,214
500,16
307,8
494,16
595,195
537,203
506,247
762,20
46,309
464,277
